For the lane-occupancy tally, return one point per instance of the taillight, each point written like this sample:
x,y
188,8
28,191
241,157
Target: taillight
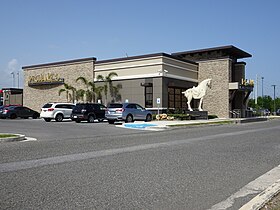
x,y
50,109
119,110
6,111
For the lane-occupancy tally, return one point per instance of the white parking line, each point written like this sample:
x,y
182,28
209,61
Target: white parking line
x,y
28,139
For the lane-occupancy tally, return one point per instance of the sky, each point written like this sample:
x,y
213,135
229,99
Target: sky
x,y
36,32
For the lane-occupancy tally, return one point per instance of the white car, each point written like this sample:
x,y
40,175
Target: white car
x,y
57,111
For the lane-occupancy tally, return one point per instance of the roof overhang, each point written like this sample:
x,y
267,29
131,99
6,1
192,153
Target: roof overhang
x,y
230,51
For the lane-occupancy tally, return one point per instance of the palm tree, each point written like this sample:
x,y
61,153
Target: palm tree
x,y
66,89
116,93
90,92
80,94
98,91
107,83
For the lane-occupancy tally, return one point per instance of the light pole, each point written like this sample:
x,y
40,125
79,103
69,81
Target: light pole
x,y
262,93
18,78
13,73
274,98
262,86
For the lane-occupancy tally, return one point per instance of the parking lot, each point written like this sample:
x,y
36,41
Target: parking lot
x,y
47,131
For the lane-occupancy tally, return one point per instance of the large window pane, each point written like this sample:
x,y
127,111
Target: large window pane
x,y
149,97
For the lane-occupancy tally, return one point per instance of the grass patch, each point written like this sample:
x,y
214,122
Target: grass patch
x,y
207,123
7,135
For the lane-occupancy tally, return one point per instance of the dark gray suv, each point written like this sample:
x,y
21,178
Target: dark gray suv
x,y
127,112
88,112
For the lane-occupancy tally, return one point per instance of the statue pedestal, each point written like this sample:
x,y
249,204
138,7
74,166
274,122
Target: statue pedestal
x,y
198,115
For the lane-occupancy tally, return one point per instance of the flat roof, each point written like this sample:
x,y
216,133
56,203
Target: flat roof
x,y
60,62
229,50
143,56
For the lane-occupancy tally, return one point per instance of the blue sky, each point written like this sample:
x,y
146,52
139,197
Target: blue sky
x,y
37,31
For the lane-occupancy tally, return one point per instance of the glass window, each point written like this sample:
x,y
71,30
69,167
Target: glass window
x,y
149,96
47,106
138,107
59,106
175,98
115,106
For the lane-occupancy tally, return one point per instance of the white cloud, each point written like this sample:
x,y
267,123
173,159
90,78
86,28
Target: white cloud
x,y
12,65
6,78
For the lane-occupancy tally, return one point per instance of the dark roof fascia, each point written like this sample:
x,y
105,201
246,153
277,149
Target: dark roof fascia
x,y
12,89
232,49
144,56
61,62
242,62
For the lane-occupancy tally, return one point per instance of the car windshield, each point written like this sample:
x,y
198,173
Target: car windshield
x,y
115,106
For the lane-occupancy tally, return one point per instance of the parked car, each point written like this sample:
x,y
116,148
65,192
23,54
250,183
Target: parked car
x,y
264,112
278,112
128,112
88,112
3,106
57,111
13,112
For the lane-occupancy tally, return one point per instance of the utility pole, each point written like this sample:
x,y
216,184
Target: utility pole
x,y
274,98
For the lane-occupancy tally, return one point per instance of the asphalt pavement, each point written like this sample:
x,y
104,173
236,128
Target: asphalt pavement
x,y
104,151
258,201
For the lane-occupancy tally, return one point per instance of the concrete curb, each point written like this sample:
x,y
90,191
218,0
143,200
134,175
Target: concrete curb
x,y
261,199
18,137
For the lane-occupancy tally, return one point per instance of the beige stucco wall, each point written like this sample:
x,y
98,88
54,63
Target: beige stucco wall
x,y
148,67
36,96
131,73
216,100
130,69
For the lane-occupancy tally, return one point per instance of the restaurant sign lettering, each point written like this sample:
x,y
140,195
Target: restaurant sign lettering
x,y
45,79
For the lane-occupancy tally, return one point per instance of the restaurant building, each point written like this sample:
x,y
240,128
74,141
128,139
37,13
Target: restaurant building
x,y
155,81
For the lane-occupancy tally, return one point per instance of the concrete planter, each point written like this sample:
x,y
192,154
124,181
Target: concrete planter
x,y
17,137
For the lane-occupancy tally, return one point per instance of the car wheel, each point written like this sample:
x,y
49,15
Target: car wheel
x,y
47,119
91,118
13,116
111,121
58,117
129,118
148,118
35,116
77,121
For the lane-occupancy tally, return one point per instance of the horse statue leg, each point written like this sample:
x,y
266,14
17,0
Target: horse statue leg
x,y
200,103
189,103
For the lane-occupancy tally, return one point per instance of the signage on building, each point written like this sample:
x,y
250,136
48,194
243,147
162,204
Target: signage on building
x,y
45,79
246,84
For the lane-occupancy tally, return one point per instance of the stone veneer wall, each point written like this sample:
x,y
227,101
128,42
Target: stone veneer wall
x,y
36,96
216,100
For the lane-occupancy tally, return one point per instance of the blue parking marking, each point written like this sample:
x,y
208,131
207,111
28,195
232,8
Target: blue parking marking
x,y
138,126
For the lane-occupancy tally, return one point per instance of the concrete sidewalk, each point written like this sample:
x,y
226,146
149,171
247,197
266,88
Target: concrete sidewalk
x,y
167,124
